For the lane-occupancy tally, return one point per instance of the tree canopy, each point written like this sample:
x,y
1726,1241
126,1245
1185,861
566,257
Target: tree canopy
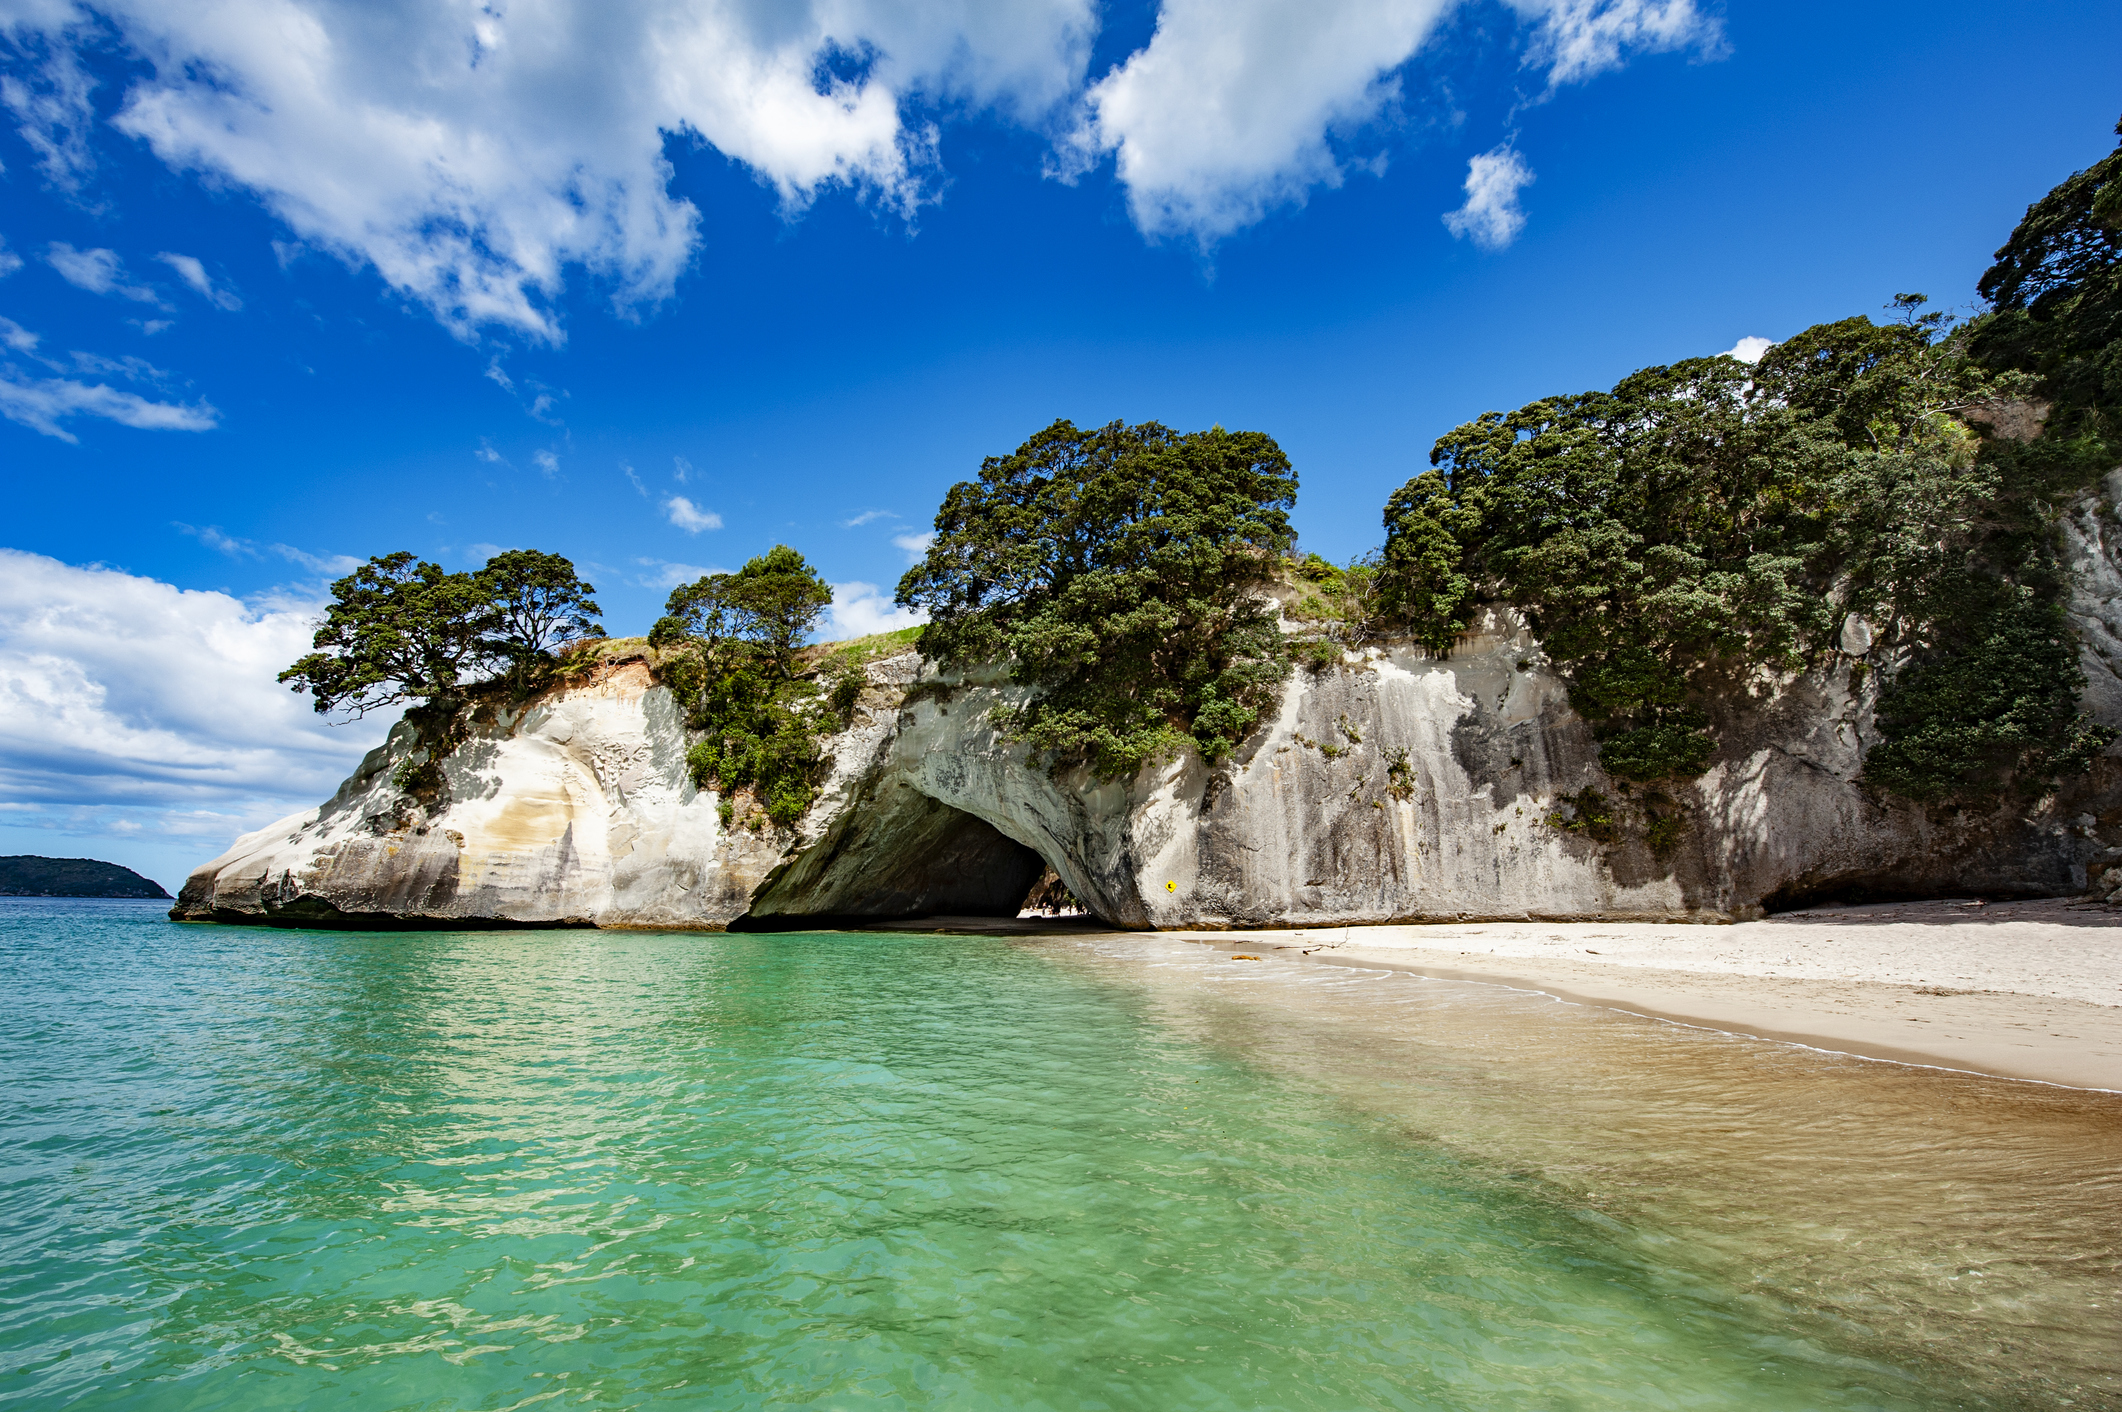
x,y
2056,295
1704,520
734,640
404,630
1117,569
397,630
773,603
536,603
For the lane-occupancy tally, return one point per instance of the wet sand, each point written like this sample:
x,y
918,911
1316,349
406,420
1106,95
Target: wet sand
x,y
2022,990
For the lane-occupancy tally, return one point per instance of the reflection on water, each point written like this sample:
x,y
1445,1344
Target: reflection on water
x,y
1975,1221
247,1168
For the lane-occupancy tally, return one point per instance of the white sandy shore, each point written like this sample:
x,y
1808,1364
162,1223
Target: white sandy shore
x,y
2061,950
2027,990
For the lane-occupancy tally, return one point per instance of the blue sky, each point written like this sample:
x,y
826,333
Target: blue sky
x,y
824,307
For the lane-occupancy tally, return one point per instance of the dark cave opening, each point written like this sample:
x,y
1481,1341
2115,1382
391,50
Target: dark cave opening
x,y
905,855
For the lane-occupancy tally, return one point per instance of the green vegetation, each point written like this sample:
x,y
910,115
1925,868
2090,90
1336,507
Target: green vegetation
x,y
859,652
1673,539
27,875
1118,570
731,646
1590,814
2056,297
1399,773
537,604
400,630
1340,601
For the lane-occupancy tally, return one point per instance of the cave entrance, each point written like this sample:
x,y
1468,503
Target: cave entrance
x,y
901,854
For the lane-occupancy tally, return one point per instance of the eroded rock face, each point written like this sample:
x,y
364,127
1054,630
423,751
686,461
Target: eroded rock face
x,y
577,810
1402,787
1394,786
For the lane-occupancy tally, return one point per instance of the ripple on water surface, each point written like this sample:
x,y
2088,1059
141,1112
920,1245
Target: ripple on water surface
x,y
255,1168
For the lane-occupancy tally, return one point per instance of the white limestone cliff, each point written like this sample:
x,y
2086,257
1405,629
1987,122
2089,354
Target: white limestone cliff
x,y
1394,786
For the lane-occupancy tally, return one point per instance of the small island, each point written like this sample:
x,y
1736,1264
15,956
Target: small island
x,y
26,875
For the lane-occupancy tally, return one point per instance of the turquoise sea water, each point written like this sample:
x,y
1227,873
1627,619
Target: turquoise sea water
x,y
248,1168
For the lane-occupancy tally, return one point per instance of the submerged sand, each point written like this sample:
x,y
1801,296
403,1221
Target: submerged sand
x,y
2023,990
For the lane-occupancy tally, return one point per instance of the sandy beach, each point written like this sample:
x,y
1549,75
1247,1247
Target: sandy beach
x,y
2024,990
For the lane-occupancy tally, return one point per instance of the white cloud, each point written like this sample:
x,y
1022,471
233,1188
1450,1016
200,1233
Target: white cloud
x,y
41,404
214,537
9,260
860,609
193,273
16,337
126,703
471,153
51,101
690,517
487,453
329,564
915,545
680,469
1491,217
664,574
475,155
1579,39
866,517
1750,348
97,271
128,367
547,463
1226,113
634,480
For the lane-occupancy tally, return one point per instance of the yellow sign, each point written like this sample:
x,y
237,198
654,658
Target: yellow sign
x,y
1171,887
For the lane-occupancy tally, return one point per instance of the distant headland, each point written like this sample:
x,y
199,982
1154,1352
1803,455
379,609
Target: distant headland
x,y
24,875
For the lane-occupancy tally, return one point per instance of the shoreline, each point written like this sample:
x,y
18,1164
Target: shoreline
x,y
2018,990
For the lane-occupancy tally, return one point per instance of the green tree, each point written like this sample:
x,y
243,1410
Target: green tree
x,y
397,630
1998,700
698,612
1700,522
775,602
2055,293
1651,533
537,603
735,640
1423,580
1118,570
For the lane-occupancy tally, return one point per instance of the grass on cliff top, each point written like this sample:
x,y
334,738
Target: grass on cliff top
x,y
861,651
851,653
610,649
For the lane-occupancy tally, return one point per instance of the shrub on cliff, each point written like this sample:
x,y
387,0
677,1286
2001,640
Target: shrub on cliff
x,y
1118,570
733,642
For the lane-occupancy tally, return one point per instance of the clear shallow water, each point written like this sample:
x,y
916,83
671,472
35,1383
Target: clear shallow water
x,y
255,1168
